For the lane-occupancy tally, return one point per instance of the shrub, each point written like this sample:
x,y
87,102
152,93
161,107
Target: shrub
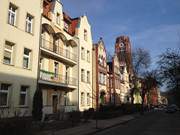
x,y
75,117
37,105
87,114
15,126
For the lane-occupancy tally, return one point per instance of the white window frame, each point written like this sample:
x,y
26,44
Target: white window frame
x,y
11,13
29,58
82,99
56,68
88,55
82,53
66,26
88,99
29,21
24,93
88,77
82,75
85,34
5,91
58,18
10,51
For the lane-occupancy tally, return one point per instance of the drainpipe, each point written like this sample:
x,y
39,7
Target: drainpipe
x,y
78,61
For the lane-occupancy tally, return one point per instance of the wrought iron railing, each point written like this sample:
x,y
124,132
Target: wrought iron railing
x,y
57,78
55,48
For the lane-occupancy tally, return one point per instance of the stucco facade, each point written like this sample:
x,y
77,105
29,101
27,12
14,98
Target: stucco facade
x,y
19,45
100,91
83,32
58,64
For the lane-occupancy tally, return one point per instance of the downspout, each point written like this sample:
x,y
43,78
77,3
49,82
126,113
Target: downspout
x,y
39,52
113,80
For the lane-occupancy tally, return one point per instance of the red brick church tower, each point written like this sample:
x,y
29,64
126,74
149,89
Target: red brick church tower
x,y
123,51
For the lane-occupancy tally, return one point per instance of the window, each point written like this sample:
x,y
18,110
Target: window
x,y
88,99
82,53
12,14
82,75
58,18
29,23
66,26
88,76
56,69
4,92
23,95
8,53
26,58
82,98
85,35
88,56
41,63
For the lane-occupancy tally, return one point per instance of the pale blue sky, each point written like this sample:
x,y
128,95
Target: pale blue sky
x,y
150,24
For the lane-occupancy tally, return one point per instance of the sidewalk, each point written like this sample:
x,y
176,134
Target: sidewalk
x,y
90,128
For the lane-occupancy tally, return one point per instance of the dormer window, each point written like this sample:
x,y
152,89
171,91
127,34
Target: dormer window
x,y
85,35
58,18
66,26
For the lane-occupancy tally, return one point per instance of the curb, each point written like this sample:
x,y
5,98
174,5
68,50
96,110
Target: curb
x,y
102,129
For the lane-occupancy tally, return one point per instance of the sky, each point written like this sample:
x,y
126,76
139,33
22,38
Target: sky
x,y
151,24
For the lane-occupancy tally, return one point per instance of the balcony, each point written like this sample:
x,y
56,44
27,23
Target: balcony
x,y
51,78
54,50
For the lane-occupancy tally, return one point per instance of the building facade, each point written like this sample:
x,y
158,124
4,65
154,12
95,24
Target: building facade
x,y
115,81
100,91
83,32
58,64
19,45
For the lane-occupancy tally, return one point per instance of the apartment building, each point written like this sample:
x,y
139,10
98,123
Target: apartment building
x,y
100,91
83,32
58,66
115,80
19,45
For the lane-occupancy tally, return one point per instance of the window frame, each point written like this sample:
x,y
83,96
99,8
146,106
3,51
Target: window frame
x,y
56,69
82,99
82,75
24,93
8,50
88,56
85,34
88,99
11,12
82,53
88,77
29,58
29,20
5,91
58,18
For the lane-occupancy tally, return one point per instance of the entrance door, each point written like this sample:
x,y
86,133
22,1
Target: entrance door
x,y
55,103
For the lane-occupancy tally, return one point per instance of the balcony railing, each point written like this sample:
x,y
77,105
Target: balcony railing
x,y
55,48
57,78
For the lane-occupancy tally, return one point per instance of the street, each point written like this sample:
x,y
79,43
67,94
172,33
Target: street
x,y
155,123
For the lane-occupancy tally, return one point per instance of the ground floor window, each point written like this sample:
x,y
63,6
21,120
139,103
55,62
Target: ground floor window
x,y
4,93
82,98
23,95
88,99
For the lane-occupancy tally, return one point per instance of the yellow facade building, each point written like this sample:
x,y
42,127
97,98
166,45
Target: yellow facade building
x,y
19,49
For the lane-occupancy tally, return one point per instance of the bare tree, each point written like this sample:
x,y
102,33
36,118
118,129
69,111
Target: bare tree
x,y
169,69
141,61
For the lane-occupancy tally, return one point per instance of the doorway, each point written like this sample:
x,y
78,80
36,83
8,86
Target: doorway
x,y
55,103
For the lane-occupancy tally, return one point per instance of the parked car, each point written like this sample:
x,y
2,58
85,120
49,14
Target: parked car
x,y
172,108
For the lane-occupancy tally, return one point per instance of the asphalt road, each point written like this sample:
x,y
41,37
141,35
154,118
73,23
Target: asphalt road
x,y
155,123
